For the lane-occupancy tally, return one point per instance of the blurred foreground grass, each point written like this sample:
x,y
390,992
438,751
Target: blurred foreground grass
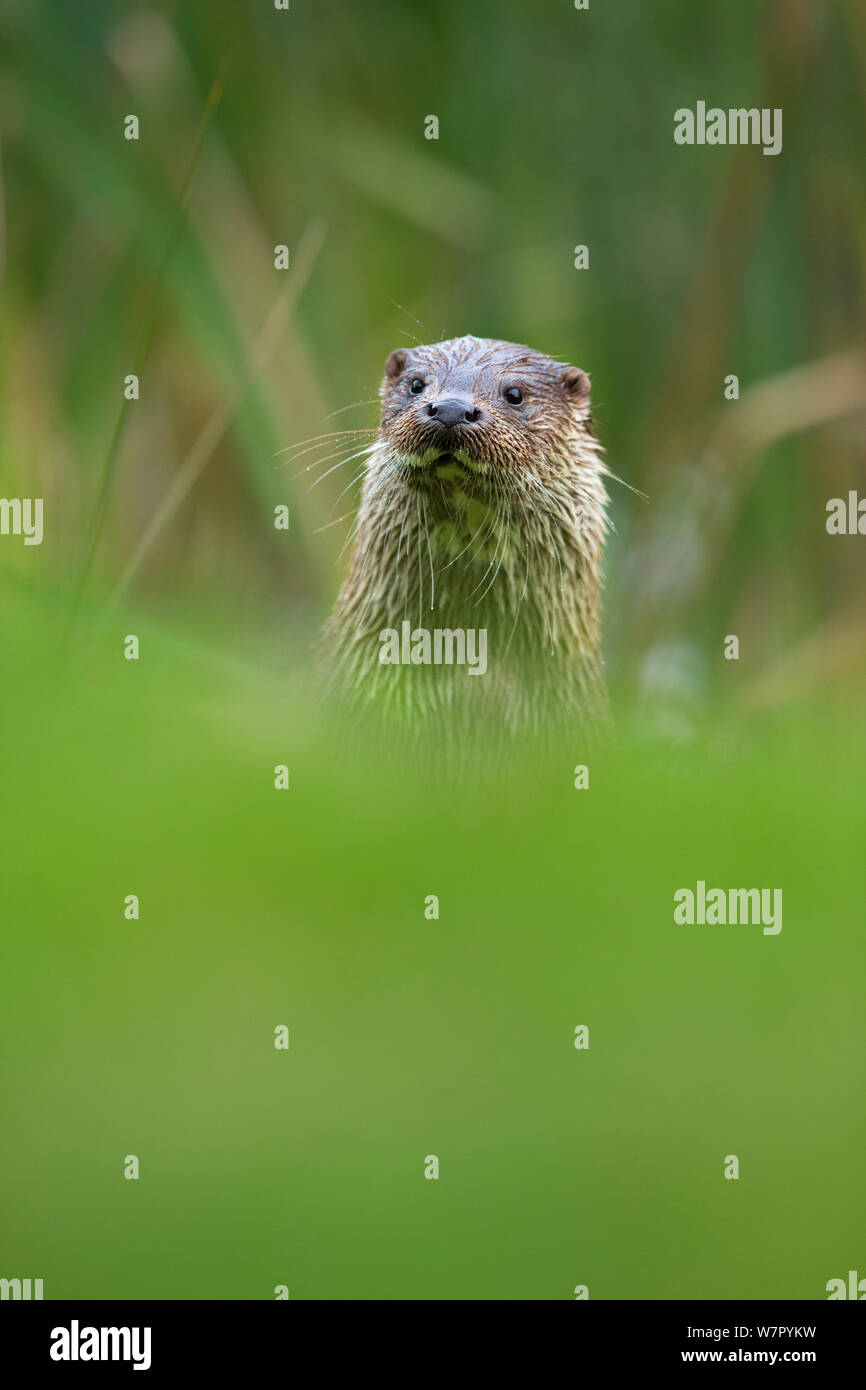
x,y
412,1037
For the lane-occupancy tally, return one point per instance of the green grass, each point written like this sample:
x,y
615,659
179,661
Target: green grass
x,y
411,1036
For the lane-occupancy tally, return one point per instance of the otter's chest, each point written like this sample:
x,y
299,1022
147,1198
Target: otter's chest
x,y
465,523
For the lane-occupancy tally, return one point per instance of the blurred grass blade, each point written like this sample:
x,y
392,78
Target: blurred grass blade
x,y
110,465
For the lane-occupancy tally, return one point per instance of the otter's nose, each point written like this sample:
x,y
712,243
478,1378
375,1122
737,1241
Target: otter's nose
x,y
454,410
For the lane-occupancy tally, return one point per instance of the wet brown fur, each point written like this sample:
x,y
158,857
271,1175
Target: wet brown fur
x,y
505,532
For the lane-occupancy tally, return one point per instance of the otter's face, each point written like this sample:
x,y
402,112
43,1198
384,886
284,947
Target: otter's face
x,y
492,411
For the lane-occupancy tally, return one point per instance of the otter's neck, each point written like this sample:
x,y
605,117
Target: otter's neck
x,y
524,565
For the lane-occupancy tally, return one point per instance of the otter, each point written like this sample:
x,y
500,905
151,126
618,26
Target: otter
x,y
483,515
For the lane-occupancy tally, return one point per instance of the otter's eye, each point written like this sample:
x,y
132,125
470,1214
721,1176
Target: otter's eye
x,y
416,385
513,395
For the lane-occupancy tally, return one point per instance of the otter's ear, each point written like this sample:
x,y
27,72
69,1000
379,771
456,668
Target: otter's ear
x,y
575,384
395,364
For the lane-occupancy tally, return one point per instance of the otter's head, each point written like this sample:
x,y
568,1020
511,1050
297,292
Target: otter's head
x,y
497,412
484,502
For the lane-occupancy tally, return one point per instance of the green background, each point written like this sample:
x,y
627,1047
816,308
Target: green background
x,y
412,1037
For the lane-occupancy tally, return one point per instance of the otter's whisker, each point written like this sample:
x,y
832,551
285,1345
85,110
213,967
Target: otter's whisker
x,y
353,531
404,310
420,580
345,450
335,522
354,406
430,556
608,473
405,612
341,464
402,525
317,463
489,524
500,540
315,439
519,499
353,482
